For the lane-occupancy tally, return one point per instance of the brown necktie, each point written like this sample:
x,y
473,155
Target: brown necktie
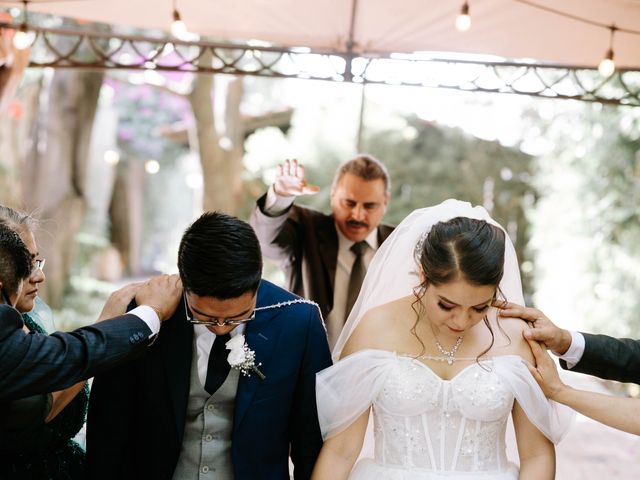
x,y
357,275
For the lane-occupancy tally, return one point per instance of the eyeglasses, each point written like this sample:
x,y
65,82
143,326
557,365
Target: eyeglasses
x,y
38,264
217,322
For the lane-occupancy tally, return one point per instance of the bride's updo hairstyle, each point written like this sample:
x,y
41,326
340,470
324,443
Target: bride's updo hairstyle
x,y
465,248
460,248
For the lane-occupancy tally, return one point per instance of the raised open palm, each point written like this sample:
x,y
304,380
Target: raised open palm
x,y
290,180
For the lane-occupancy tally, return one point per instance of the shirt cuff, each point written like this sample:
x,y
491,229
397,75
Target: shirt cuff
x,y
275,204
574,354
149,316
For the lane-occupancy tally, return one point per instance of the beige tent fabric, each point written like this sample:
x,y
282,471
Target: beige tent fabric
x,y
504,28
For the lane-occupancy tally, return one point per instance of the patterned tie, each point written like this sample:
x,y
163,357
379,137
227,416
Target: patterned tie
x,y
218,367
357,275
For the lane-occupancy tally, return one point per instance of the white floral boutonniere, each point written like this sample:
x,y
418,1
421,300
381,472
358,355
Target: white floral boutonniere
x,y
242,358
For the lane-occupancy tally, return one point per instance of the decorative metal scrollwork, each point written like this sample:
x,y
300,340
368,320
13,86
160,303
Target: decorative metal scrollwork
x,y
61,48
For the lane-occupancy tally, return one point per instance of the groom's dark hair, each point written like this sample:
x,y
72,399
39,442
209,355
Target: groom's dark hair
x,y
219,256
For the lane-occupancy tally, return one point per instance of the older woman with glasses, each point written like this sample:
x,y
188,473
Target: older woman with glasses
x,y
36,432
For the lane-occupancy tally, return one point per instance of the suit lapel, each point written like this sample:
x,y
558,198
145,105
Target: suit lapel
x,y
177,349
261,336
328,250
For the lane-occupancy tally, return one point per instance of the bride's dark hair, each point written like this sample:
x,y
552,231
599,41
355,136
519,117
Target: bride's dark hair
x,y
460,248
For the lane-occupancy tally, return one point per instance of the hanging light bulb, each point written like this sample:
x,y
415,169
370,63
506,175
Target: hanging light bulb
x,y
463,20
607,65
178,27
22,39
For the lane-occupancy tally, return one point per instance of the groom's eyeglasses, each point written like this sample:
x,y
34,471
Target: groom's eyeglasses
x,y
217,322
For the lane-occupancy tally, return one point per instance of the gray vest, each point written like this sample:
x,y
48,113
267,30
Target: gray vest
x,y
206,445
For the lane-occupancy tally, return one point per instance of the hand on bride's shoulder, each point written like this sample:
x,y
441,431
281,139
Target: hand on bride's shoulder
x,y
379,328
514,343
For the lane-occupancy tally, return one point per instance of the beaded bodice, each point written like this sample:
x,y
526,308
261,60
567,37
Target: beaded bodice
x,y
422,421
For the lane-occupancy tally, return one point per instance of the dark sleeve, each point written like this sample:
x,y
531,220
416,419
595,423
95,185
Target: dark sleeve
x,y
26,414
610,358
32,364
306,439
109,423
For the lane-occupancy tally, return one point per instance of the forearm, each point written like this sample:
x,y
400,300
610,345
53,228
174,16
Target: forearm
x,y
275,233
610,358
538,467
619,413
340,452
537,453
44,363
62,398
333,464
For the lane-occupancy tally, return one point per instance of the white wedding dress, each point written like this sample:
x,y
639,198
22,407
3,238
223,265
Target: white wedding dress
x,y
428,428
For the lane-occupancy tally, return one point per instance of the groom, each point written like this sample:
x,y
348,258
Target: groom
x,y
198,417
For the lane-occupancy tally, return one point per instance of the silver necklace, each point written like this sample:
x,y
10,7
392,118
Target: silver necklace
x,y
449,354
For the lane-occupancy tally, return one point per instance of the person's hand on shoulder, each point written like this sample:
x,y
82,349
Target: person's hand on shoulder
x,y
542,329
291,182
161,293
118,301
545,371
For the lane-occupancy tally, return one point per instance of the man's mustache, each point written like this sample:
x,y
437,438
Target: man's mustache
x,y
355,223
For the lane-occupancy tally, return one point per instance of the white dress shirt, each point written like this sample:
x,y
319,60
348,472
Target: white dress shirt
x,y
575,351
346,258
149,316
204,341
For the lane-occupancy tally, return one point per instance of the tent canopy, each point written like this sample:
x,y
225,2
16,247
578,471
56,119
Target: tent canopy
x,y
511,29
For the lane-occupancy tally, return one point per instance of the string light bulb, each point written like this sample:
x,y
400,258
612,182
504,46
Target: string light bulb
x,y
22,39
178,27
463,20
607,65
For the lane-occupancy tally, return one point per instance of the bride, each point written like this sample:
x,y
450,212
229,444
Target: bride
x,y
424,353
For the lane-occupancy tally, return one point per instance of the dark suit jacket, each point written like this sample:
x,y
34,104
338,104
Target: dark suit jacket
x,y
34,363
610,358
137,412
305,243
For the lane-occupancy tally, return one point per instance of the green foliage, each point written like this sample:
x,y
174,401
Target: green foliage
x,y
592,215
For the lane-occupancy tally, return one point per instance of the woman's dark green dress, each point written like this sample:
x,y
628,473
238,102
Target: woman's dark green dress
x,y
33,449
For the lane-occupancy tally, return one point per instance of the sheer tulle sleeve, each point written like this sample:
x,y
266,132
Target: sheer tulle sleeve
x,y
551,418
347,389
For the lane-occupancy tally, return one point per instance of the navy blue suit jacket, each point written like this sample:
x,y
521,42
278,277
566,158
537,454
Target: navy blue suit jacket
x,y
137,412
34,363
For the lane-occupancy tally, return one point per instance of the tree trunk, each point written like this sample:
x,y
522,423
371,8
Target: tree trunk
x,y
126,213
221,167
54,176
